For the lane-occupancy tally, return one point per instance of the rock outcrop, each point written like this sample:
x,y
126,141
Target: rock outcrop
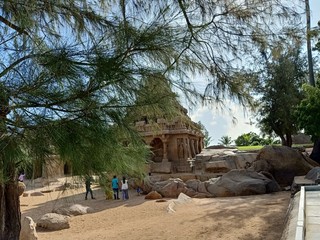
x,y
239,182
170,188
73,210
222,160
28,229
227,172
53,221
182,199
313,174
21,188
153,195
284,163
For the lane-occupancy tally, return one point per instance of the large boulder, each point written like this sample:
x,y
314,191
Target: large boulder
x,y
240,182
21,188
182,199
54,221
170,188
73,210
148,183
28,229
197,186
153,195
222,160
313,174
236,182
301,138
284,163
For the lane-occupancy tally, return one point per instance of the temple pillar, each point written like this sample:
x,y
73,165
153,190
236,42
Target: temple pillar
x,y
185,149
197,146
165,149
201,144
188,148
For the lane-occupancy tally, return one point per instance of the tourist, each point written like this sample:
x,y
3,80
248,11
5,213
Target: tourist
x,y
124,188
21,177
88,188
115,187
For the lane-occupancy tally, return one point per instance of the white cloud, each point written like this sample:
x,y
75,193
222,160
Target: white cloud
x,y
221,124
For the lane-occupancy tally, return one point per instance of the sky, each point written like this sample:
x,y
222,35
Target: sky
x,y
220,123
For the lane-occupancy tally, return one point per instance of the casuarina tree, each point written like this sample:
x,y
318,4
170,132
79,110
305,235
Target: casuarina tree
x,y
281,93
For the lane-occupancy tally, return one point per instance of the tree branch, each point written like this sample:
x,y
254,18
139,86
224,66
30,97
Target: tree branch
x,y
13,26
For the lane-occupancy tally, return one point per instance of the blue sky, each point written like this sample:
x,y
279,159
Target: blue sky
x,y
220,123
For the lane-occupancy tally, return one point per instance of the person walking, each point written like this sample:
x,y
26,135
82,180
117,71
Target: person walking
x,y
124,188
21,177
115,187
88,188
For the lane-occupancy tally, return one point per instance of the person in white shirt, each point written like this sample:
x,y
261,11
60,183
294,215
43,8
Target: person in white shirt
x,y
21,177
124,188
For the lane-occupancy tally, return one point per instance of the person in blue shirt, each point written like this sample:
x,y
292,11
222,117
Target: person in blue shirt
x,y
115,187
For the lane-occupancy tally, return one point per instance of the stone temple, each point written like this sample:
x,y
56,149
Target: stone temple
x,y
174,144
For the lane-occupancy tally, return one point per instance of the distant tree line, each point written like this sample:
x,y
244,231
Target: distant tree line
x,y
249,139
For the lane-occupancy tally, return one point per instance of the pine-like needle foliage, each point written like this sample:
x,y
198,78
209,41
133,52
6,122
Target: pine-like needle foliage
x,y
74,74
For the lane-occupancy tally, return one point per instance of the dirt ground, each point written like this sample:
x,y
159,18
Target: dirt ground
x,y
259,217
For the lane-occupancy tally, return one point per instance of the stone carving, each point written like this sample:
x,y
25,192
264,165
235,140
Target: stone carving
x,y
180,148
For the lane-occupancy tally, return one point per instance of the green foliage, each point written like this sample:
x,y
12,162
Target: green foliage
x,y
307,113
96,67
74,85
72,71
253,139
225,140
245,139
281,93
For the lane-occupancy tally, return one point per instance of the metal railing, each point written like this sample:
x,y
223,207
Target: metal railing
x,y
301,228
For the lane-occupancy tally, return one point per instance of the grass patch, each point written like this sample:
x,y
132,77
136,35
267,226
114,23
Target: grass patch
x,y
249,148
256,148
310,145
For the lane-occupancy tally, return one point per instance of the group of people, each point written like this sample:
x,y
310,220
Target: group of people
x,y
123,187
116,187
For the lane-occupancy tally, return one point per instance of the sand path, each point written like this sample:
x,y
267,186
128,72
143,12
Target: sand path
x,y
259,217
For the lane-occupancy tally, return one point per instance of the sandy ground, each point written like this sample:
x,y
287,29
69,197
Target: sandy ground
x,y
260,217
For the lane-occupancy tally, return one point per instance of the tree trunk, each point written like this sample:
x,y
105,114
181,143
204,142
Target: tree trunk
x,y
10,216
309,50
315,154
283,140
286,140
289,139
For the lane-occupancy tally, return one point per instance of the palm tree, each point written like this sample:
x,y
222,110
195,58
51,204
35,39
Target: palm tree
x,y
225,140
